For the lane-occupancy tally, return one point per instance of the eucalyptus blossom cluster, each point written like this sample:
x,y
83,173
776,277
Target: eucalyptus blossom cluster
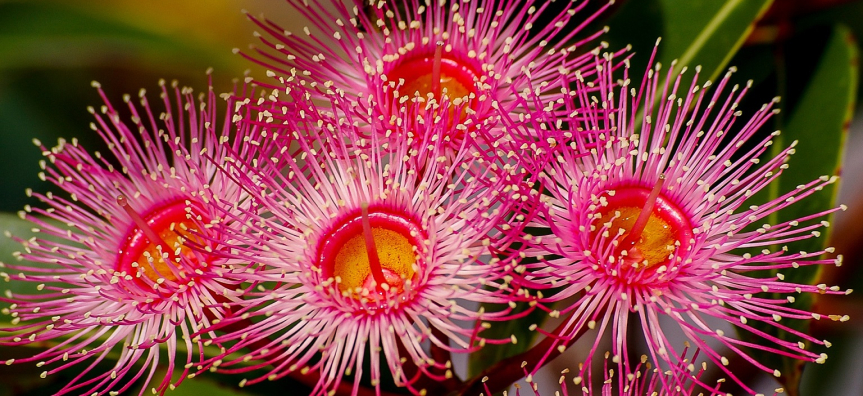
x,y
406,177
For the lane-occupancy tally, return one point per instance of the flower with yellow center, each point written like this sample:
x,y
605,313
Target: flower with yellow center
x,y
459,60
129,259
655,221
366,251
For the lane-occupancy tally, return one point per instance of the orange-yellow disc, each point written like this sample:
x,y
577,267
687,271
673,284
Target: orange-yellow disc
x,y
656,243
395,251
153,265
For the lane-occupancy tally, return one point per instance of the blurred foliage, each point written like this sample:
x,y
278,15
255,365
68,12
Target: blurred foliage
x,y
520,328
51,50
694,33
821,101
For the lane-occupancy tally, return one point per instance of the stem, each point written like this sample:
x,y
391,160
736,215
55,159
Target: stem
x,y
505,372
371,250
641,222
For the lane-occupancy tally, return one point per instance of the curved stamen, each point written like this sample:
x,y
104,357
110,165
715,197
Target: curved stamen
x,y
641,222
371,249
142,224
436,74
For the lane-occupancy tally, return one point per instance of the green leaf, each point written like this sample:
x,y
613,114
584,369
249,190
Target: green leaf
x,y
695,32
208,384
13,225
706,32
520,328
204,386
819,123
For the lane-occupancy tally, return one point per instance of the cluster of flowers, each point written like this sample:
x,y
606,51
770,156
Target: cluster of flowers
x,y
414,164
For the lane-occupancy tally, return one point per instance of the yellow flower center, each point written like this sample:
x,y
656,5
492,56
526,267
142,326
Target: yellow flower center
x,y
649,229
396,254
437,74
344,253
159,244
656,242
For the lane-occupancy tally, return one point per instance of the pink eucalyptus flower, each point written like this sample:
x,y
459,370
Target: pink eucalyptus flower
x,y
657,221
126,260
394,54
365,251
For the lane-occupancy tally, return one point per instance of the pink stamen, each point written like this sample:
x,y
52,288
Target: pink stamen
x,y
142,224
641,222
438,54
372,251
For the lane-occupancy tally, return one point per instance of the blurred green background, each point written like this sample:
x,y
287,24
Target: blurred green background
x,y
803,50
51,50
